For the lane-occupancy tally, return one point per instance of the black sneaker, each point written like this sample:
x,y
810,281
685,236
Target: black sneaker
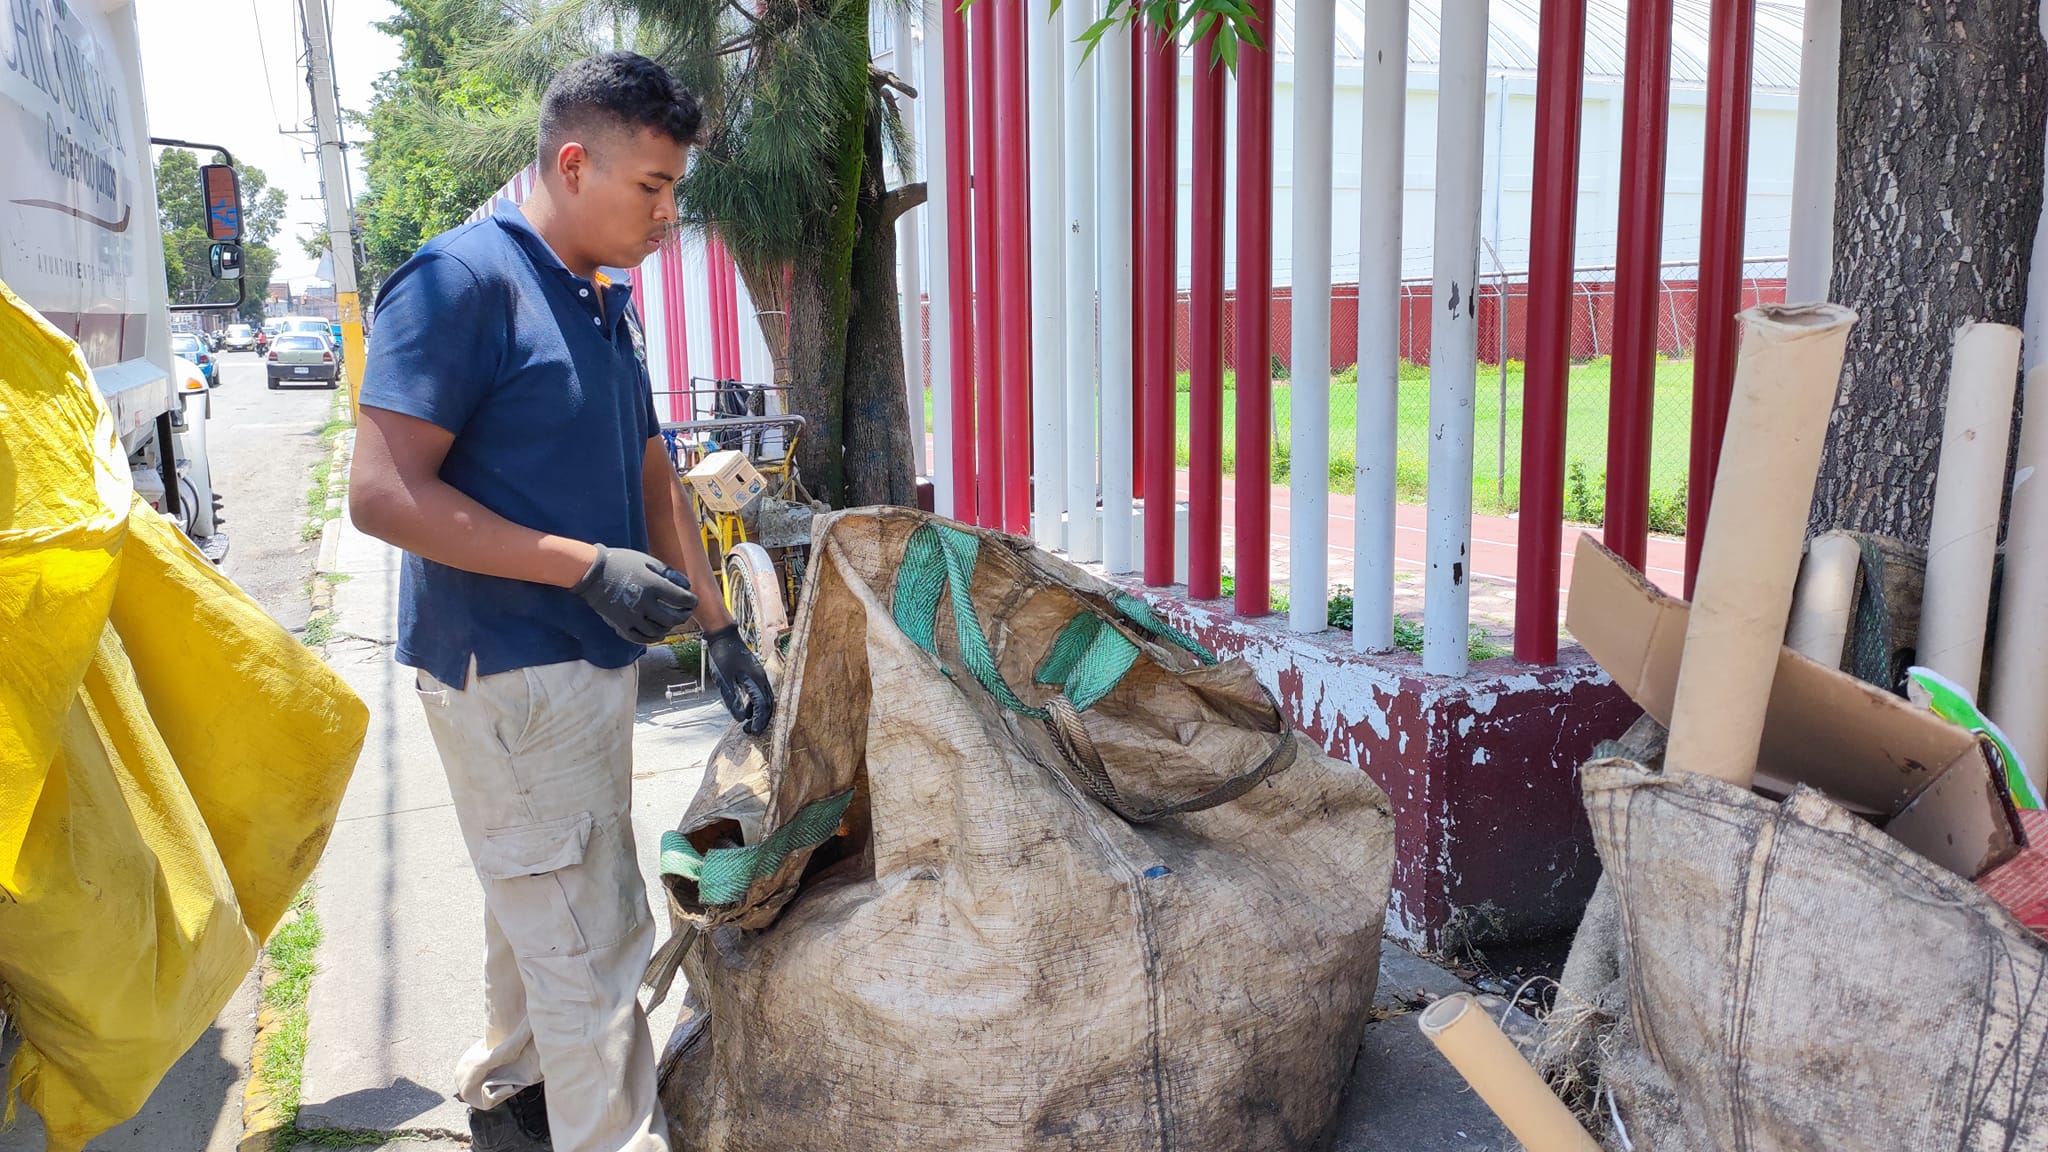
x,y
520,1124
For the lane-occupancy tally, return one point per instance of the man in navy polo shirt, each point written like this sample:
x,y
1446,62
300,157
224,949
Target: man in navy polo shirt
x,y
508,443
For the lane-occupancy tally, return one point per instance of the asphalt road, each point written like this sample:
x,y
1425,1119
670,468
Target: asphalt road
x,y
262,444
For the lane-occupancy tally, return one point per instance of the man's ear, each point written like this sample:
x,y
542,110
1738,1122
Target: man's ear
x,y
571,163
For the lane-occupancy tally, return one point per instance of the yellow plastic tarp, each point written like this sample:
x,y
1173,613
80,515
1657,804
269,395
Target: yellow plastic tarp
x,y
170,758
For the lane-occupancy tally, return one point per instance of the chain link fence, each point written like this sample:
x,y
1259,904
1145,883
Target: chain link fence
x,y
1497,416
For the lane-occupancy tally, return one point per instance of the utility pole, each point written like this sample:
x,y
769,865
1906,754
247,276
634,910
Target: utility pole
x,y
341,240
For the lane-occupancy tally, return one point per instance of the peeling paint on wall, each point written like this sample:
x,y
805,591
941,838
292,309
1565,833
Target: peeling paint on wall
x,y
1482,771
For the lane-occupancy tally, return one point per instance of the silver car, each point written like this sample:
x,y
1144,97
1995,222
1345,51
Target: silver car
x,y
299,357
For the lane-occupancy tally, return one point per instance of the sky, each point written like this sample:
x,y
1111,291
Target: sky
x,y
228,72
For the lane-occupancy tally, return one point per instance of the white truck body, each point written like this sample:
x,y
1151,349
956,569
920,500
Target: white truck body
x,y
80,239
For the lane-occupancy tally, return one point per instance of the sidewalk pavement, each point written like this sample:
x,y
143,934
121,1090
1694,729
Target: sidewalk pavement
x,y
398,993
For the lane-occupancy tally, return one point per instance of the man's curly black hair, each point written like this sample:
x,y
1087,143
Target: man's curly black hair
x,y
622,88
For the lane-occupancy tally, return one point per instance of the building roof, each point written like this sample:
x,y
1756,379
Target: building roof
x,y
1511,43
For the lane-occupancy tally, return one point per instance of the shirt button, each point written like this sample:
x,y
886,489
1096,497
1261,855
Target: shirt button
x,y
583,291
595,320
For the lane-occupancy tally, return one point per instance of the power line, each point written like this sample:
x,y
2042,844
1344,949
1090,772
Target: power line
x,y
269,89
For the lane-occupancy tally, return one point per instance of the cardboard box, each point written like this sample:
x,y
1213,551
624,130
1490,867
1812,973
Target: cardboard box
x,y
1931,785
726,481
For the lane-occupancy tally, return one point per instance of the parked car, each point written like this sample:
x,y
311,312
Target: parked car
x,y
194,349
297,356
239,338
311,326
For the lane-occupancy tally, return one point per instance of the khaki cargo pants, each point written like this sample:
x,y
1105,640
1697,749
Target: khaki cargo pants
x,y
540,764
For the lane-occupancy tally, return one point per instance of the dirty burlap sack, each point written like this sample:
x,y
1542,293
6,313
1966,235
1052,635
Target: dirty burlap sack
x,y
1017,867
1776,975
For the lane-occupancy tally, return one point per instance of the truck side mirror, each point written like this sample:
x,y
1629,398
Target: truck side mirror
x,y
225,261
220,186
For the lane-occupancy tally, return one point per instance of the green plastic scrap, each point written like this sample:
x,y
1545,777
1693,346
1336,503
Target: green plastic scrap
x,y
1948,700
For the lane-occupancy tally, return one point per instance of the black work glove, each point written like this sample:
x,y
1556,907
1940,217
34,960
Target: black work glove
x,y
742,682
640,597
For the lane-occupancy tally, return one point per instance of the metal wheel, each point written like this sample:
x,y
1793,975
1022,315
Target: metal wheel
x,y
753,594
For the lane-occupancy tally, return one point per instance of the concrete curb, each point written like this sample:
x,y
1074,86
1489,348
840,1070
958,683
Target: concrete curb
x,y
263,1115
264,1125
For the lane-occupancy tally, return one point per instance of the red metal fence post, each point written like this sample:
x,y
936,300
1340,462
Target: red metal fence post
x,y
1013,193
1141,55
1560,88
988,323
1162,91
1646,103
1205,330
1254,480
959,264
1731,42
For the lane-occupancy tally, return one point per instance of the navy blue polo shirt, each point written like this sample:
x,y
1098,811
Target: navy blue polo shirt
x,y
542,379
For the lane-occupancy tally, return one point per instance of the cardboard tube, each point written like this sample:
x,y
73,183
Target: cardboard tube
x,y
1785,381
1825,600
2018,699
1962,536
1488,1061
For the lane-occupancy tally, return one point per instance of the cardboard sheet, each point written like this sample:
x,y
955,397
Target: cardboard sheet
x,y
1930,784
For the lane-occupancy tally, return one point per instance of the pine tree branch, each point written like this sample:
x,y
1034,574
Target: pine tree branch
x,y
889,79
897,201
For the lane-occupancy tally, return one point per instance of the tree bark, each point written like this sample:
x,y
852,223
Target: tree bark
x,y
877,422
821,298
1937,193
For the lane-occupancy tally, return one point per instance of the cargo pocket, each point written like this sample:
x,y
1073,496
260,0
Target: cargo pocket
x,y
530,874
532,850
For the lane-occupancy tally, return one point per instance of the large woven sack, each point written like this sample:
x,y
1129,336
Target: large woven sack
x,y
1079,887
1760,975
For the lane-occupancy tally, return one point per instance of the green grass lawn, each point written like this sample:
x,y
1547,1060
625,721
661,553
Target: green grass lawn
x,y
1495,489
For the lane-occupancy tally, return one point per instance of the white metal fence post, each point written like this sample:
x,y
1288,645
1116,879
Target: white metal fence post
x,y
1079,80
1048,293
939,191
1809,265
1382,144
1308,483
1454,336
909,247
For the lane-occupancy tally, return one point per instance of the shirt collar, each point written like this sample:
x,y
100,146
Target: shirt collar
x,y
511,219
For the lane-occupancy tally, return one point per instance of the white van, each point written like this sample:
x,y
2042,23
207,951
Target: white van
x,y
79,239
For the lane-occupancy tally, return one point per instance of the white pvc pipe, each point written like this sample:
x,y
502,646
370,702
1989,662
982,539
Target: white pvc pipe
x,y
1810,259
1454,336
911,277
939,191
1048,288
1078,77
2018,697
1962,532
1385,56
1824,600
1308,484
1113,70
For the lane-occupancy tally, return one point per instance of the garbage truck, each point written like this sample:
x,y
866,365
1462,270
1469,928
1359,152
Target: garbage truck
x,y
80,239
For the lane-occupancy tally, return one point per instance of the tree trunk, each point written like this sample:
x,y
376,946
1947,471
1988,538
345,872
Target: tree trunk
x,y
1937,194
821,296
878,449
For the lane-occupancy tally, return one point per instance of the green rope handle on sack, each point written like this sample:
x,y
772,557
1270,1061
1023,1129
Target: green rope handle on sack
x,y
724,875
1087,659
1138,612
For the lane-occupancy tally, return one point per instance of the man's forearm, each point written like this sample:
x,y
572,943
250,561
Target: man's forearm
x,y
437,521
